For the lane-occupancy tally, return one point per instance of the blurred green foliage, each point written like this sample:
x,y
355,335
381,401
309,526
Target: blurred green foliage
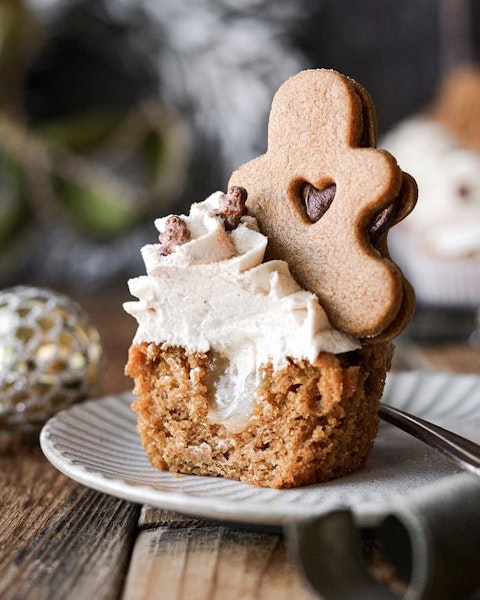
x,y
101,170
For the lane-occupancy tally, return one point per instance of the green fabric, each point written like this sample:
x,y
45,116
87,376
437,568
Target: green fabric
x,y
431,537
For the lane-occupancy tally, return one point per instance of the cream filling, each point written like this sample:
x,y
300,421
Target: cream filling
x,y
215,293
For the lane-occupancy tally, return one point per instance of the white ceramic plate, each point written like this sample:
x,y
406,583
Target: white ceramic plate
x,y
96,444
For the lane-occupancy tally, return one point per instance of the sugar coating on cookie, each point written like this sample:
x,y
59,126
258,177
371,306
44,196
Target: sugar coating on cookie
x,y
321,136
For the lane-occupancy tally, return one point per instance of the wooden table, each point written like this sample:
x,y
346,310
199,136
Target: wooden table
x,y
61,540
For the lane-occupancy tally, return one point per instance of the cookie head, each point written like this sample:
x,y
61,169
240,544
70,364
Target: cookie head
x,y
326,197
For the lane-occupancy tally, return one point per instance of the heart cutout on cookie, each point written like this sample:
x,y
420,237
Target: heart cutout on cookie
x,y
326,196
318,201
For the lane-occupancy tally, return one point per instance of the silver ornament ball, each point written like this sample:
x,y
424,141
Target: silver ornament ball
x,y
50,356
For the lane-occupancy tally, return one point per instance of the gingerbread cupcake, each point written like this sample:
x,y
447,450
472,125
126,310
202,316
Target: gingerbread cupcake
x,y
439,246
267,313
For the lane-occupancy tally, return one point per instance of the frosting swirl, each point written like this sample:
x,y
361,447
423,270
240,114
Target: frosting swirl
x,y
216,293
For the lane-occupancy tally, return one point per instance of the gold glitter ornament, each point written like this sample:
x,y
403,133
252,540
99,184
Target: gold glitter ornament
x,y
50,357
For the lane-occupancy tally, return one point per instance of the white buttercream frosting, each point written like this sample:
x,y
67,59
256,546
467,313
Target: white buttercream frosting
x,y
446,219
216,293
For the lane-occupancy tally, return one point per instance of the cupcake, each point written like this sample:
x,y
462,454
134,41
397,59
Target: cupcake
x,y
439,245
241,368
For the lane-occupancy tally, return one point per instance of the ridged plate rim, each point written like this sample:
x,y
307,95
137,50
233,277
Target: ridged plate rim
x,y
96,444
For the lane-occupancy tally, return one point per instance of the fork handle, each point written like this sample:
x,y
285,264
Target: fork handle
x,y
462,451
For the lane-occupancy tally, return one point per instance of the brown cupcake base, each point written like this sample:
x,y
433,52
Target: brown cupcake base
x,y
311,422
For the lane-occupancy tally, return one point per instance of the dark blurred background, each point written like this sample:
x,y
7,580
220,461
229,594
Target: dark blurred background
x,y
114,112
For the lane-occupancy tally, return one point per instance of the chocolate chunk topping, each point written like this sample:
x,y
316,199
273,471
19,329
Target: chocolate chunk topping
x,y
383,221
233,207
176,234
317,201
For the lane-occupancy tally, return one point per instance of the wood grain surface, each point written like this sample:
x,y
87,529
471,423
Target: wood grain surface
x,y
58,539
211,562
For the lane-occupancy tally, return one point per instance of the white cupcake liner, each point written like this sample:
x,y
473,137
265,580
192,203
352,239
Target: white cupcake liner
x,y
437,281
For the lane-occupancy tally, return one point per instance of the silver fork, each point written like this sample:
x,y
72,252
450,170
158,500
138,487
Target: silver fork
x,y
457,448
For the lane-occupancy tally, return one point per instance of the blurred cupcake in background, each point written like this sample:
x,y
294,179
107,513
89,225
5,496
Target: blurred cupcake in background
x,y
438,246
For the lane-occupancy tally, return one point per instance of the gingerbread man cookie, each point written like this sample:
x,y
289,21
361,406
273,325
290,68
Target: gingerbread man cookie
x,y
326,196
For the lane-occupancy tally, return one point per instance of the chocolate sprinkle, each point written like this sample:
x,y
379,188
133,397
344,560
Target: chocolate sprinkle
x,y
233,207
176,234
